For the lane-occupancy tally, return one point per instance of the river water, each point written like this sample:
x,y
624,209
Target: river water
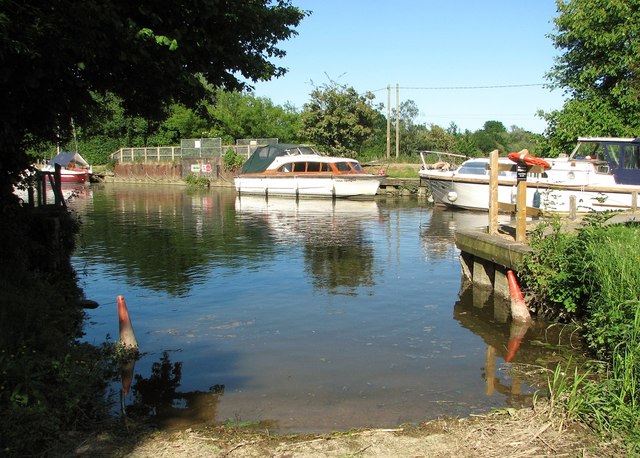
x,y
308,316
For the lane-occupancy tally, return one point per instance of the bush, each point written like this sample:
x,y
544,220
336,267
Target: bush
x,y
197,181
50,383
232,161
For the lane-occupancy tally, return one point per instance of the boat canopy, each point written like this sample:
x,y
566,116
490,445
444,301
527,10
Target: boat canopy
x,y
617,156
65,158
263,156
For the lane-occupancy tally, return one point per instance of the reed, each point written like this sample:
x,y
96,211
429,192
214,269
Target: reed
x,y
602,276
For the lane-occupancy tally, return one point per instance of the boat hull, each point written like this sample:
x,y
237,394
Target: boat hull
x,y
328,186
74,176
473,194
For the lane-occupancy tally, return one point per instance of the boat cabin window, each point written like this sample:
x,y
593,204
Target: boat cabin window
x,y
474,168
632,157
343,166
307,167
313,166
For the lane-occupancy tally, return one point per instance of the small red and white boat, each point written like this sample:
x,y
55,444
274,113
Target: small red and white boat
x,y
74,168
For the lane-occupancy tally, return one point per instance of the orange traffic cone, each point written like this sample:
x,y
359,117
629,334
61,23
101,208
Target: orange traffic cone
x,y
126,375
519,310
127,337
516,334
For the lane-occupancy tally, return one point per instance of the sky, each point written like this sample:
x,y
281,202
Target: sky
x,y
447,56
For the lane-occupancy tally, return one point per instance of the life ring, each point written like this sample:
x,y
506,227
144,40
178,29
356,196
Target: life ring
x,y
528,159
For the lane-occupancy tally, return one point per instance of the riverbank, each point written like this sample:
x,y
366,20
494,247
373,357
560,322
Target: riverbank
x,y
532,432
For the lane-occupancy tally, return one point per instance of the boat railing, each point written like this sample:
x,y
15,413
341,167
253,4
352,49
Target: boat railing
x,y
443,160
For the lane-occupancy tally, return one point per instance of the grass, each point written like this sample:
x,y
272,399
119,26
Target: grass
x,y
600,271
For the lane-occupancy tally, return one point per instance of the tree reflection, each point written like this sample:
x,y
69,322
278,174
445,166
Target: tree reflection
x,y
157,397
164,238
340,268
336,254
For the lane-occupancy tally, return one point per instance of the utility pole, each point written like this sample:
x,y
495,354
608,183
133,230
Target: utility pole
x,y
388,121
397,121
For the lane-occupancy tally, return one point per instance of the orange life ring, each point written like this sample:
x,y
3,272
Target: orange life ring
x,y
529,160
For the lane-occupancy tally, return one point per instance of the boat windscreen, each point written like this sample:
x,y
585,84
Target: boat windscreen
x,y
263,156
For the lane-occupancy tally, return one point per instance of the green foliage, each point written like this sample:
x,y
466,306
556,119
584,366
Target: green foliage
x,y
241,115
197,180
52,65
613,284
338,119
599,69
592,274
50,383
551,272
607,397
232,160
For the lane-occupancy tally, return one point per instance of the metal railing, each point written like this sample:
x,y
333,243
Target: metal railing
x,y
204,147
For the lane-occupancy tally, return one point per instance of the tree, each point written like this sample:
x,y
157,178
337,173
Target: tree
x,y
411,134
438,139
55,56
493,135
241,115
599,69
339,119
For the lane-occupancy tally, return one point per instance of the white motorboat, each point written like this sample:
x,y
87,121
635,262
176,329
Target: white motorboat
x,y
602,173
299,171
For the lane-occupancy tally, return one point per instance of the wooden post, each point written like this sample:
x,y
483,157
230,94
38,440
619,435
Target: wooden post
x,y
397,121
634,201
572,207
40,188
57,186
493,192
521,212
388,121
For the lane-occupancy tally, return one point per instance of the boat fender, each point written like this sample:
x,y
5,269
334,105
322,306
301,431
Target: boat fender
x,y
536,199
452,196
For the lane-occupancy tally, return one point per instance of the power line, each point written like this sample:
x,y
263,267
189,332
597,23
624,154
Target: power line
x,y
449,88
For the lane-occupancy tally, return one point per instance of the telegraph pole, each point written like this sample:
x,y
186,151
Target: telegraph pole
x,y
388,121
397,121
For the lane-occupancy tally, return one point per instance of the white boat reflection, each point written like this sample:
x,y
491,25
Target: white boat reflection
x,y
321,221
282,205
437,235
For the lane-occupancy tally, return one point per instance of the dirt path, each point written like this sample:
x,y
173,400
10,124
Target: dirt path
x,y
512,433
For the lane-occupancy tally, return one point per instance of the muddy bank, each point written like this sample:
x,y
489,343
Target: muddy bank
x,y
533,432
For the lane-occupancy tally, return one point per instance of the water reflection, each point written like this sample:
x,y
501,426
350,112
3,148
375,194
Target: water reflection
x,y
338,256
316,315
161,239
437,235
157,397
521,343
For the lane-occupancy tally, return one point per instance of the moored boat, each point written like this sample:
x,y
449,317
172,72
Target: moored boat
x,y
299,171
74,168
602,173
